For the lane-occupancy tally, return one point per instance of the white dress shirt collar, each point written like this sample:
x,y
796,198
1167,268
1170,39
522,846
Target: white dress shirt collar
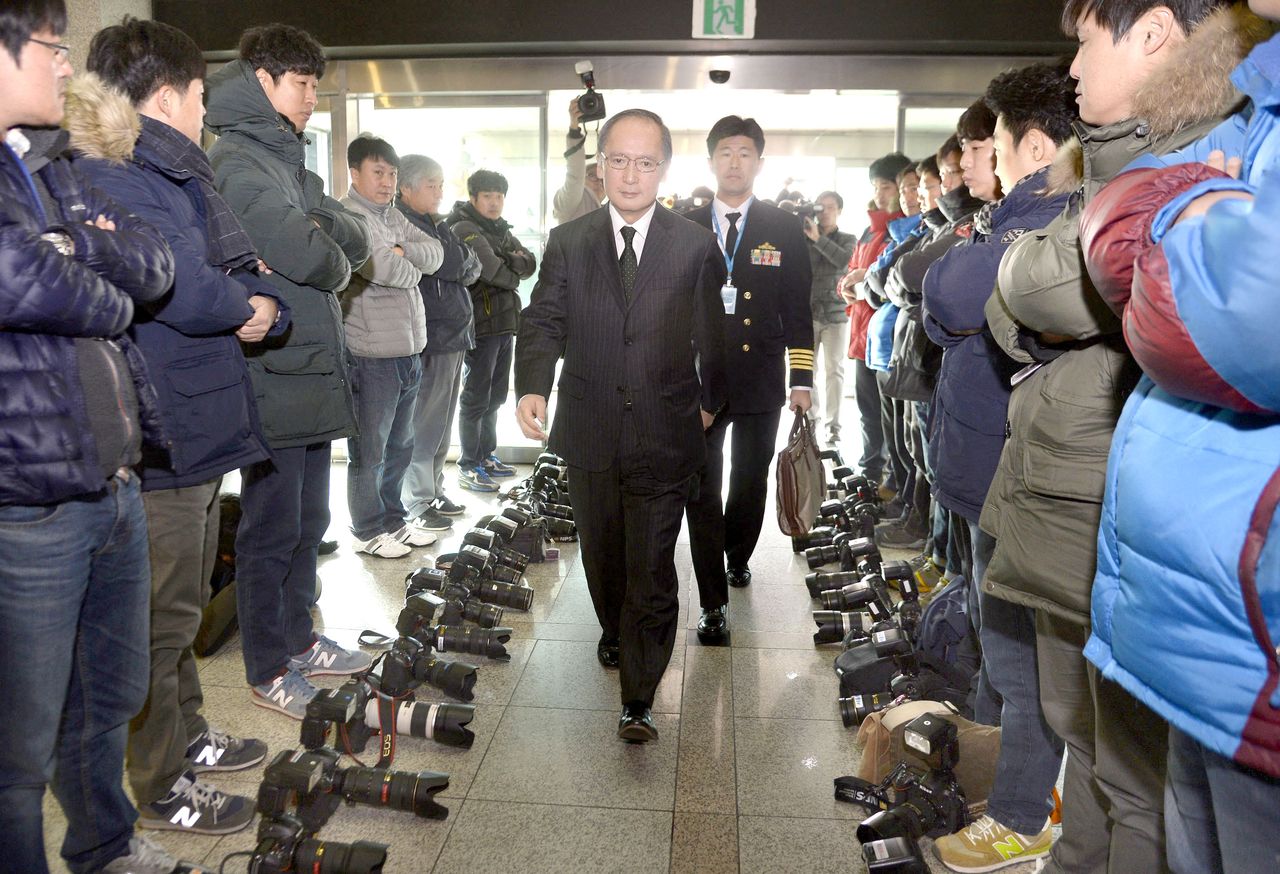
x,y
642,230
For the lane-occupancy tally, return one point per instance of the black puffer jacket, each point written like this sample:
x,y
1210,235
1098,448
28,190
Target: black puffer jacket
x,y
450,320
503,263
310,242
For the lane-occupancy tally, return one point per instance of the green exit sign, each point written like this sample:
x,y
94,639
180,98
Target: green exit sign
x,y
724,19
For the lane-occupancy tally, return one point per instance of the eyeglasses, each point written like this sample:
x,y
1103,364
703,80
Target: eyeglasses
x,y
622,162
61,53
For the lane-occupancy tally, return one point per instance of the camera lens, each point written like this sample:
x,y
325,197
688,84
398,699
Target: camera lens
x,y
503,574
560,527
517,561
820,581
819,556
902,821
505,594
453,678
444,723
856,708
332,857
833,626
398,790
475,641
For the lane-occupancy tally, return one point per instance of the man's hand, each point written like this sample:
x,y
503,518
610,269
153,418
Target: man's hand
x,y
531,414
575,114
811,230
262,321
399,250
1231,166
801,400
848,282
102,223
263,268
707,419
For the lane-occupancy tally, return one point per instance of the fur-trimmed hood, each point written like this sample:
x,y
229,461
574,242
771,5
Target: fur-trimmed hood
x,y
102,122
1193,86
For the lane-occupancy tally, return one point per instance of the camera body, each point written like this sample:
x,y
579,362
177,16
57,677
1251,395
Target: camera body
x,y
805,209
591,103
285,845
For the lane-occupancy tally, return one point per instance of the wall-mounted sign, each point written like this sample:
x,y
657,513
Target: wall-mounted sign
x,y
724,19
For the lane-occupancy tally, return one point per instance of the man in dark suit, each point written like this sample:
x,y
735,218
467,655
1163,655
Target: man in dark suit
x,y
766,314
629,297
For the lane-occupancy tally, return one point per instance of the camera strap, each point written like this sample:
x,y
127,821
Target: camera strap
x,y
387,707
855,790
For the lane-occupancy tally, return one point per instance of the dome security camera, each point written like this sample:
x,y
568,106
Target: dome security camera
x,y
719,77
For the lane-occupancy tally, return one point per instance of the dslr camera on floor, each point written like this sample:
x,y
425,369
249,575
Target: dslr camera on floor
x,y
921,797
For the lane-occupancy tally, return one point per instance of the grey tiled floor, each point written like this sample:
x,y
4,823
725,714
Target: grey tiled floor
x,y
740,780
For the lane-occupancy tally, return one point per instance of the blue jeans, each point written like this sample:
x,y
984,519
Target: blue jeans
x,y
385,390
1219,817
484,390
1030,753
432,429
75,593
982,546
284,503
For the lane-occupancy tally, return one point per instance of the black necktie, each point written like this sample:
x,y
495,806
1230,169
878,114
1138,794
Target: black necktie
x,y
731,238
628,263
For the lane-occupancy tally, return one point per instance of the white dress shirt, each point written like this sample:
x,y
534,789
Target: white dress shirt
x,y
722,211
642,230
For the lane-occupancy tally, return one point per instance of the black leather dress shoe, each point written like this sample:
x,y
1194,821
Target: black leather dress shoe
x,y
636,724
607,651
738,576
714,623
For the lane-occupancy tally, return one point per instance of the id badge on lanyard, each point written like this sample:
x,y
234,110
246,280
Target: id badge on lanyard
x,y
728,291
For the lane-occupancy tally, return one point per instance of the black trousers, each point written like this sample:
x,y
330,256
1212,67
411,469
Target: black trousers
x,y
731,532
628,522
866,392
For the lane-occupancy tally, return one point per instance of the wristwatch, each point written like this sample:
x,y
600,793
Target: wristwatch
x,y
61,241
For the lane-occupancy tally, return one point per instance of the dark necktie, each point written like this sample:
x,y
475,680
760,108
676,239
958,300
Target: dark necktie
x,y
731,238
628,263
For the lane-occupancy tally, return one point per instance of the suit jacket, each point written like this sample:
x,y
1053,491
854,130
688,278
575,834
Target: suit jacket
x,y
774,279
659,360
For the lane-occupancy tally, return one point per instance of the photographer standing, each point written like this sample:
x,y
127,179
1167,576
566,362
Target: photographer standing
x,y
829,252
583,189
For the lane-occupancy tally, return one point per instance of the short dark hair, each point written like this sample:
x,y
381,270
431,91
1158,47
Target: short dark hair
x,y
139,57
735,126
1119,16
1040,97
487,180
21,18
929,167
888,167
365,147
280,49
906,171
977,122
950,147
838,199
645,114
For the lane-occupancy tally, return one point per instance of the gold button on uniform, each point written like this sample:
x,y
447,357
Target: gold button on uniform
x,y
746,295
746,347
747,322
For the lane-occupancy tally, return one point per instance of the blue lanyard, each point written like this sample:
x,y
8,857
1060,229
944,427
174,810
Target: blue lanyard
x,y
728,256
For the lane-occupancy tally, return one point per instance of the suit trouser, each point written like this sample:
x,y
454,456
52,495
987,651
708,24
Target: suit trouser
x,y
628,521
730,534
182,526
866,392
895,441
1113,790
433,416
831,344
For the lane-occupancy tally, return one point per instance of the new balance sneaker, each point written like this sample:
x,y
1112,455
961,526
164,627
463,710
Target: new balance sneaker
x,y
477,480
988,846
899,536
412,535
326,658
431,519
288,693
213,750
927,573
197,808
145,857
446,507
383,546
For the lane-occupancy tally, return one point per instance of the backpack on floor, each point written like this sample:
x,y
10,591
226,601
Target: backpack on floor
x,y
944,622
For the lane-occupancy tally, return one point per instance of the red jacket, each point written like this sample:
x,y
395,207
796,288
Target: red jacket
x,y
874,240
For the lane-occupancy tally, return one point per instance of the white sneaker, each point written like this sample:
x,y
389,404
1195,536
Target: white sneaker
x,y
384,546
412,535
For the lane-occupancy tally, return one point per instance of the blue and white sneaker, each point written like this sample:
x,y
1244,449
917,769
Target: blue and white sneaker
x,y
477,480
197,808
288,693
494,467
326,658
